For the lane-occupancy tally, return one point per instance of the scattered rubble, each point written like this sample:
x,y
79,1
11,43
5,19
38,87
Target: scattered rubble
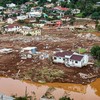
x,y
22,65
89,36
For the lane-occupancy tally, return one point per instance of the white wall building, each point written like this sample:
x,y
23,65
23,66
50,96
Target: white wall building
x,y
22,17
11,5
71,59
12,28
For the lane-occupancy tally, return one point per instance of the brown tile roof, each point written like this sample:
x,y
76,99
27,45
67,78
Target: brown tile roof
x,y
76,57
12,25
62,54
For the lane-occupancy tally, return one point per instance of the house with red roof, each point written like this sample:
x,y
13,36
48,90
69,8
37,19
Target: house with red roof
x,y
71,59
12,28
61,8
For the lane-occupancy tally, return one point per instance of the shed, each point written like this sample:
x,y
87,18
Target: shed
x,y
30,50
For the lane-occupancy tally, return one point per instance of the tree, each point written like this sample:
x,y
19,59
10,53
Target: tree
x,y
95,15
98,54
72,20
95,51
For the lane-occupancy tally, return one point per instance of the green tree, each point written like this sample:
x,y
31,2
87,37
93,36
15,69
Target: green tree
x,y
98,54
95,51
72,20
95,15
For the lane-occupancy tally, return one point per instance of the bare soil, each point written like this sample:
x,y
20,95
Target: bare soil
x,y
11,65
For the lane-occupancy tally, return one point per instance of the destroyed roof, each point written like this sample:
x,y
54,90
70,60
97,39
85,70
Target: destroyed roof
x,y
62,54
76,57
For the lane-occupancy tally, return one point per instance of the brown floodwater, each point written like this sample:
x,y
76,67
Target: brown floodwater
x,y
91,91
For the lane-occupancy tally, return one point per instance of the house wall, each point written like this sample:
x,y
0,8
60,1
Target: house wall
x,y
75,63
34,32
10,21
58,59
12,29
85,60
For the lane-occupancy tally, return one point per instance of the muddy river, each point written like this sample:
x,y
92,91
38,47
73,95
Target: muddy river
x,y
91,91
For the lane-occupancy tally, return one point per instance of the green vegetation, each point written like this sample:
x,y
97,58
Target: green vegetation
x,y
95,51
65,98
28,34
80,15
97,63
98,27
46,74
81,50
21,98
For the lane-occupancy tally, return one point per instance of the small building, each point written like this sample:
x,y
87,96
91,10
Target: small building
x,y
1,18
6,51
61,8
97,3
75,11
12,28
30,50
71,59
11,20
33,32
34,14
22,17
11,5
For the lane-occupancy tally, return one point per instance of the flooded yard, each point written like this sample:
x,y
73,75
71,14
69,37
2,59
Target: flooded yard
x,y
91,91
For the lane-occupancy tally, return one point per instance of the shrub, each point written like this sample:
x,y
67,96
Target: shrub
x,y
81,50
97,63
95,51
28,34
21,98
65,98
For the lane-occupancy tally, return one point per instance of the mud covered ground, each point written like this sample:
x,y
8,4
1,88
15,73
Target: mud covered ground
x,y
44,70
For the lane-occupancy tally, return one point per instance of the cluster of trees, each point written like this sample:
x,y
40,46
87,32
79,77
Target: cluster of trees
x,y
4,2
87,7
95,51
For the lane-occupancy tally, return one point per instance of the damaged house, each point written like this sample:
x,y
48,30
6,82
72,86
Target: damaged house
x,y
28,52
71,59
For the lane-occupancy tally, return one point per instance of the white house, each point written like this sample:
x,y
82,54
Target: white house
x,y
6,50
34,14
75,11
97,3
71,59
22,17
12,28
36,9
1,18
1,8
33,32
11,5
11,20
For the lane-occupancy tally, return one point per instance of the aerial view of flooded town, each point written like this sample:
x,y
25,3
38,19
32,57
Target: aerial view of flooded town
x,y
49,49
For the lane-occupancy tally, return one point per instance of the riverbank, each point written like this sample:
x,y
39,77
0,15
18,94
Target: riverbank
x,y
44,70
10,87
